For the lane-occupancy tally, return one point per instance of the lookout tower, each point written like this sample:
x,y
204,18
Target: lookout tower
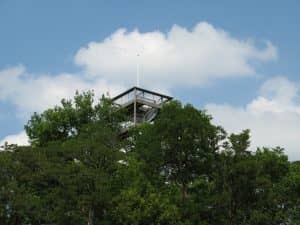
x,y
141,105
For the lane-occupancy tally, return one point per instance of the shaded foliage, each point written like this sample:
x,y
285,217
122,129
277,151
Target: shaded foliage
x,y
181,169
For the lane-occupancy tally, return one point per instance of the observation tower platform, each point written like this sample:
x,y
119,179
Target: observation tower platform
x,y
141,105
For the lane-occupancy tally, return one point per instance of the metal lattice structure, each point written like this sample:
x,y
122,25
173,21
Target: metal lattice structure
x,y
141,105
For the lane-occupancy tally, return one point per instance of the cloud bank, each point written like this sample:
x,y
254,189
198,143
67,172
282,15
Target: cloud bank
x,y
178,58
273,116
19,139
31,93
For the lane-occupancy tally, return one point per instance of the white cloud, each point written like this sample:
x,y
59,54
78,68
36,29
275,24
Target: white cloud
x,y
19,139
273,117
36,93
179,58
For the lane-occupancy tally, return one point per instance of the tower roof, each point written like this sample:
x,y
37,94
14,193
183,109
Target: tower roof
x,y
131,90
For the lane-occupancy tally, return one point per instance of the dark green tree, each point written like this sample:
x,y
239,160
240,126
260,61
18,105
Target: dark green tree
x,y
180,146
246,183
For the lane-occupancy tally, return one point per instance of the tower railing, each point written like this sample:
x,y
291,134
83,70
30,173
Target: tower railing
x,y
141,105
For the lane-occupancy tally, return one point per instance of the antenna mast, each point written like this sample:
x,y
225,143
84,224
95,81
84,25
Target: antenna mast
x,y
137,71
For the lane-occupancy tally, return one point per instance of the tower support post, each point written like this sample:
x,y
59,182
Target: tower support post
x,y
134,110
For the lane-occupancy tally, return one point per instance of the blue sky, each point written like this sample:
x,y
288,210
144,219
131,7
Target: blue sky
x,y
43,39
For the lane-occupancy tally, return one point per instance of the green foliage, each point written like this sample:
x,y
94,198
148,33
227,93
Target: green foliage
x,y
181,145
181,169
68,120
137,208
248,183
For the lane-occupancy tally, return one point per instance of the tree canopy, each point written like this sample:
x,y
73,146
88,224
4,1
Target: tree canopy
x,y
180,169
68,120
